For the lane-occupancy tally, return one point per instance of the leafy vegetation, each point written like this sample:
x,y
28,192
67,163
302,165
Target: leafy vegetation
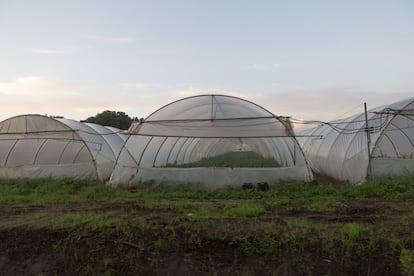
x,y
292,229
242,159
407,261
295,195
396,189
116,119
47,190
85,219
247,210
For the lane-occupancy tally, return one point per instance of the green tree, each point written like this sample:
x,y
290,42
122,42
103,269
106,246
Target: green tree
x,y
116,119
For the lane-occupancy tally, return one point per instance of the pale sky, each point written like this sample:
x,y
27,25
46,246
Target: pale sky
x,y
313,60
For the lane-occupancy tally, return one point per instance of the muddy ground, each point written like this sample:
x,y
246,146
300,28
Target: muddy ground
x,y
168,242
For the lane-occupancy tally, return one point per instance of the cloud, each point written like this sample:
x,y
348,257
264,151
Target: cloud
x,y
115,39
42,95
190,91
162,94
30,86
172,92
135,86
74,100
265,67
79,100
193,91
48,51
325,103
143,86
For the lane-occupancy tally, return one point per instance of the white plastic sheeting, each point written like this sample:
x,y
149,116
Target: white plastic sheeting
x,y
203,126
340,149
33,146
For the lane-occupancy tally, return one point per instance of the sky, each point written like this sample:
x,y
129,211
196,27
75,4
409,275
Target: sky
x,y
312,60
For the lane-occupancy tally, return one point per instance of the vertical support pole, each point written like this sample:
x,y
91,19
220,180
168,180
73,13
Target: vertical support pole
x,y
367,129
212,108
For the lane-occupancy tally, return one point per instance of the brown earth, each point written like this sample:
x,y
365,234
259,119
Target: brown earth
x,y
30,245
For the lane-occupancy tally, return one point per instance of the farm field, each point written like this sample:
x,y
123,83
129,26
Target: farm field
x,y
327,228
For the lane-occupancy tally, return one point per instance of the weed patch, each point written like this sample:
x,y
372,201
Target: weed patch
x,y
86,220
292,229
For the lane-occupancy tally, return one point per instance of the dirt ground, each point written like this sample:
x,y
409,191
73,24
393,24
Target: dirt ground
x,y
30,244
27,238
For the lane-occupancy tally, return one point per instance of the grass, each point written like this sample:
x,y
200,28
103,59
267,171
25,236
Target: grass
x,y
352,230
240,224
407,261
87,220
192,198
47,190
245,210
396,189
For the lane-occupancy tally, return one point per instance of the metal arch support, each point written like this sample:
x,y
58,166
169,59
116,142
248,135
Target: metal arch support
x,y
158,151
10,151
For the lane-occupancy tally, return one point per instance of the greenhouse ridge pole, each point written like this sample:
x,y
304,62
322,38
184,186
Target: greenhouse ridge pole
x,y
367,129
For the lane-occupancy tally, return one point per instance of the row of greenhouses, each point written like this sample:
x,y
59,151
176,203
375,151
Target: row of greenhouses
x,y
213,141
378,143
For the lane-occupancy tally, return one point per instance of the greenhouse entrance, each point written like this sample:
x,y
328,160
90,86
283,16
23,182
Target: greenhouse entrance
x,y
213,141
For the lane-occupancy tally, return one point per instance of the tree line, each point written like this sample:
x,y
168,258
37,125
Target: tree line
x,y
116,119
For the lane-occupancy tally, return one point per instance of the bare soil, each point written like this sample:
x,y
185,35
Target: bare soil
x,y
30,245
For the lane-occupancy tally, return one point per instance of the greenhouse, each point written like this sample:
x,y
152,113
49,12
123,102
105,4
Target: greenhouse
x,y
213,141
34,146
345,150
